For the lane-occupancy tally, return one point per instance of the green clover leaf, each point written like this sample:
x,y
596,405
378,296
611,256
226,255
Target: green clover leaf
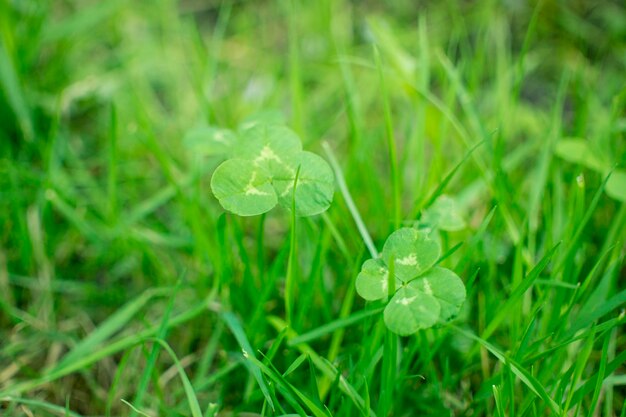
x,y
411,310
373,281
243,188
315,187
413,251
273,147
446,287
426,294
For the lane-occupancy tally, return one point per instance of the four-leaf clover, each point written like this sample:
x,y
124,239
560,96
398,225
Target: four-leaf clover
x,y
426,294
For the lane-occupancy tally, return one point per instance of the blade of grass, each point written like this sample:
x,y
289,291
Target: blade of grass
x,y
517,293
443,184
391,143
343,187
12,89
591,383
332,326
295,72
112,166
326,368
154,354
192,400
579,367
53,408
288,390
526,377
601,374
117,379
110,326
235,327
290,280
91,357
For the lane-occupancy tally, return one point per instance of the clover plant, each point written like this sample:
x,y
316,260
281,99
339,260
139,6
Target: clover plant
x,y
264,158
422,294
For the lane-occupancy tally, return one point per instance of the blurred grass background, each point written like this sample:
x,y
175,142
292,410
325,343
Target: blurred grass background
x,y
110,235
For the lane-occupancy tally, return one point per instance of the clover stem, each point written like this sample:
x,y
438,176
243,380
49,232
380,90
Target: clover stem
x,y
295,77
390,349
391,277
388,381
292,255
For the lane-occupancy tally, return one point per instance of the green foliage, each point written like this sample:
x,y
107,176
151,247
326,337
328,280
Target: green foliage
x,y
242,188
114,252
425,295
262,172
444,214
616,185
410,310
582,152
210,141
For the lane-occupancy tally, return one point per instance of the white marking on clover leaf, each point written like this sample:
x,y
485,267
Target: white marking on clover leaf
x,y
272,147
410,310
406,301
413,250
445,286
277,151
267,154
242,188
289,186
287,189
410,260
372,283
385,282
220,137
427,288
251,189
315,187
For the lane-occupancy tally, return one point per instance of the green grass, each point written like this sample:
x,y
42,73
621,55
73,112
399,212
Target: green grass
x,y
126,290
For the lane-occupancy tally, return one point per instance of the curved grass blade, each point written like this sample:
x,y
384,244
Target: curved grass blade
x,y
235,327
526,377
92,357
111,326
194,406
332,326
